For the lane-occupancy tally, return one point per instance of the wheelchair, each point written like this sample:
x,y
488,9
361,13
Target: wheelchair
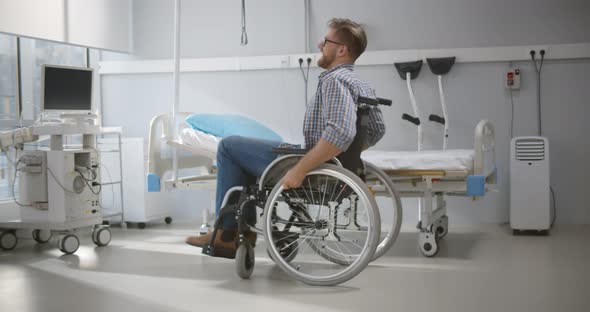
x,y
324,232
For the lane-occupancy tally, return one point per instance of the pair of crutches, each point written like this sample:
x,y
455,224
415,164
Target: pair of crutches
x,y
409,71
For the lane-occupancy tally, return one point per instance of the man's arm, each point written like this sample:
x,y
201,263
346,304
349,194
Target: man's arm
x,y
319,154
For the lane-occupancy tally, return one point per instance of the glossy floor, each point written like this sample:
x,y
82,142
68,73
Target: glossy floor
x,y
478,269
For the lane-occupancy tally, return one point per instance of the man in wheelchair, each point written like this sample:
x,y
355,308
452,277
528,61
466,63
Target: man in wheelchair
x,y
329,128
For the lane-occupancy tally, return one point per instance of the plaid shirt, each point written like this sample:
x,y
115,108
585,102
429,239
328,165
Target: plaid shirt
x,y
332,113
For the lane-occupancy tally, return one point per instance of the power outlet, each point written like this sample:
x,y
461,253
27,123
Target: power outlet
x,y
512,79
537,50
304,58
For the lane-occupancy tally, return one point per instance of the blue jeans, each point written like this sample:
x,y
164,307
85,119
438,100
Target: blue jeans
x,y
240,161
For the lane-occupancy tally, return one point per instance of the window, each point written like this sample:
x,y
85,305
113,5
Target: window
x,y
8,78
8,104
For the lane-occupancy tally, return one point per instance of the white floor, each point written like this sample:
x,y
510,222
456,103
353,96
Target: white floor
x,y
478,269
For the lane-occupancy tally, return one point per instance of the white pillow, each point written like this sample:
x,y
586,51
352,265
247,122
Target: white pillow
x,y
200,140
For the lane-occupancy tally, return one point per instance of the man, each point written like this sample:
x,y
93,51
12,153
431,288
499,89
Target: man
x,y
329,127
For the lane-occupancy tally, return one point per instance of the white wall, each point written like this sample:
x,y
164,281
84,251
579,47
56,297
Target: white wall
x,y
474,91
424,24
102,24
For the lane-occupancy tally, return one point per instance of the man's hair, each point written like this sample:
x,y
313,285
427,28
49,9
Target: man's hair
x,y
351,34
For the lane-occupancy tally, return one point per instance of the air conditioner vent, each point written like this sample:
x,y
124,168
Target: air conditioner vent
x,y
530,150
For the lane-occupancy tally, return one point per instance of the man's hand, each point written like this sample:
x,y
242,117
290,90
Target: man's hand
x,y
293,178
319,154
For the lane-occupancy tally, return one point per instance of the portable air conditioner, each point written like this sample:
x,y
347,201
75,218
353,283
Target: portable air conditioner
x,y
530,205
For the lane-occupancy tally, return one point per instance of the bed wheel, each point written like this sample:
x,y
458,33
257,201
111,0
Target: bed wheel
x,y
428,244
141,225
245,260
442,227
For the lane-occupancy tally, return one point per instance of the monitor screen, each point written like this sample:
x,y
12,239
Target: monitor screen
x,y
67,88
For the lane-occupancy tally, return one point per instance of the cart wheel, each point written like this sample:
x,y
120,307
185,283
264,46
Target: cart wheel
x,y
245,260
101,236
8,240
168,220
141,225
41,236
68,244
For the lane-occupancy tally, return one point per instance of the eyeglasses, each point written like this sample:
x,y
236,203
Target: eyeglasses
x,y
328,40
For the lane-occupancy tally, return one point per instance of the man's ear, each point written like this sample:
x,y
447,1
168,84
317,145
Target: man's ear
x,y
343,50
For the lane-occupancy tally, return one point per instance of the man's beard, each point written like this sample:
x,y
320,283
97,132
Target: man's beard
x,y
325,61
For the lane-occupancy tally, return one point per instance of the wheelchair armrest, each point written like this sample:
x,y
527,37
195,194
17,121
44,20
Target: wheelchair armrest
x,y
286,151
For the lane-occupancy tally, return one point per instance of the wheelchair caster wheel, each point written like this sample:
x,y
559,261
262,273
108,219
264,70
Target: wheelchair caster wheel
x,y
141,225
8,240
41,236
101,236
68,244
428,244
245,260
168,220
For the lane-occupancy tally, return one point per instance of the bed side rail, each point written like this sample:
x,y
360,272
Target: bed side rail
x,y
160,131
484,166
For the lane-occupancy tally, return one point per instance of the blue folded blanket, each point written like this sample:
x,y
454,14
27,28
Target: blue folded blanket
x,y
227,125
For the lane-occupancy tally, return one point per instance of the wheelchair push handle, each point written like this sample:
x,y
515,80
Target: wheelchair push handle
x,y
385,102
374,102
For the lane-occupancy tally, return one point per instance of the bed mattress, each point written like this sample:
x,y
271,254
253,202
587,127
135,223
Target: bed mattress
x,y
449,160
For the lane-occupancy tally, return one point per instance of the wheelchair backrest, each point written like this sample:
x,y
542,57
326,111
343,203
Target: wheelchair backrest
x,y
351,158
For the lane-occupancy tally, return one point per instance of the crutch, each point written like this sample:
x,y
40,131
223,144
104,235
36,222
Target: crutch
x,y
408,71
440,67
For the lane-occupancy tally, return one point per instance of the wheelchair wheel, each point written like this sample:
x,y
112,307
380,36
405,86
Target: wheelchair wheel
x,y
331,247
287,246
380,184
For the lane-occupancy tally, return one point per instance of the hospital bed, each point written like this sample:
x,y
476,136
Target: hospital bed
x,y
431,175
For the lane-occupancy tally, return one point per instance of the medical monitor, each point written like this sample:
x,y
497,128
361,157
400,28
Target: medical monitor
x,y
66,89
